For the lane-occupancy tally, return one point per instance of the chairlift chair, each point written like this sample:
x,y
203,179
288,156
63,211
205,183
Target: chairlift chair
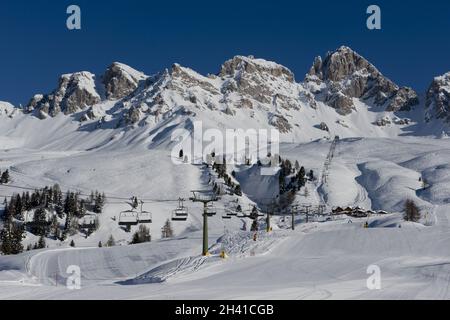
x,y
145,217
181,212
232,213
179,215
128,218
211,210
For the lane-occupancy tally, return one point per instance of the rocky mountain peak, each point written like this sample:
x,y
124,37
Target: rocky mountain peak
x,y
120,80
75,91
259,81
79,90
344,63
240,65
438,98
344,75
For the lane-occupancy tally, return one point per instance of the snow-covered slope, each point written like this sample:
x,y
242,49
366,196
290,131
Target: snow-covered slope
x,y
114,132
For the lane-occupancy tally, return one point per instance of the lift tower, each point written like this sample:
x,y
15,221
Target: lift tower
x,y
206,197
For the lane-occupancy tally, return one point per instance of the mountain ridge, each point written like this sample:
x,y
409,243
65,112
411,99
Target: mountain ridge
x,y
342,94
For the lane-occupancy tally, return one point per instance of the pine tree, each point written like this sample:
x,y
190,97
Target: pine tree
x,y
74,226
70,206
5,240
17,234
19,207
27,201
5,216
111,242
301,177
41,243
72,244
135,239
99,202
238,190
142,235
57,195
167,231
4,178
39,225
82,208
54,227
100,244
297,166
11,238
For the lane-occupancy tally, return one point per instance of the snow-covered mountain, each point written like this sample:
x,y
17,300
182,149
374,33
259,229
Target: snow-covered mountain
x,y
344,75
94,132
342,94
438,99
80,90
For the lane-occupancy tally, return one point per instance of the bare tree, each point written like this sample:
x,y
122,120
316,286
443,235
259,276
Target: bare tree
x,y
412,212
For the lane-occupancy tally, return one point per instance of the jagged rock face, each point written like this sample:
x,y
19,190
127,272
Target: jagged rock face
x,y
133,115
245,86
120,80
75,92
344,75
243,83
324,127
280,122
186,78
438,99
260,80
404,99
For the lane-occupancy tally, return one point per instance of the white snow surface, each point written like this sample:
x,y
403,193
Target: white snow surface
x,y
319,260
374,167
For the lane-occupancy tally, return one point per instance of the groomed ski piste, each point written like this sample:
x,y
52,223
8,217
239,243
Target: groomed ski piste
x,y
317,260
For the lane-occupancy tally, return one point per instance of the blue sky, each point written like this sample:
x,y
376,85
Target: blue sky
x,y
36,47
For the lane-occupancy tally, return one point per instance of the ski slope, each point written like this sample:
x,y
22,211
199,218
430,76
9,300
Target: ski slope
x,y
325,260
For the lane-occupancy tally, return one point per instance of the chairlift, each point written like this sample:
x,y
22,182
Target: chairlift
x,y
128,218
211,210
231,213
180,213
144,216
